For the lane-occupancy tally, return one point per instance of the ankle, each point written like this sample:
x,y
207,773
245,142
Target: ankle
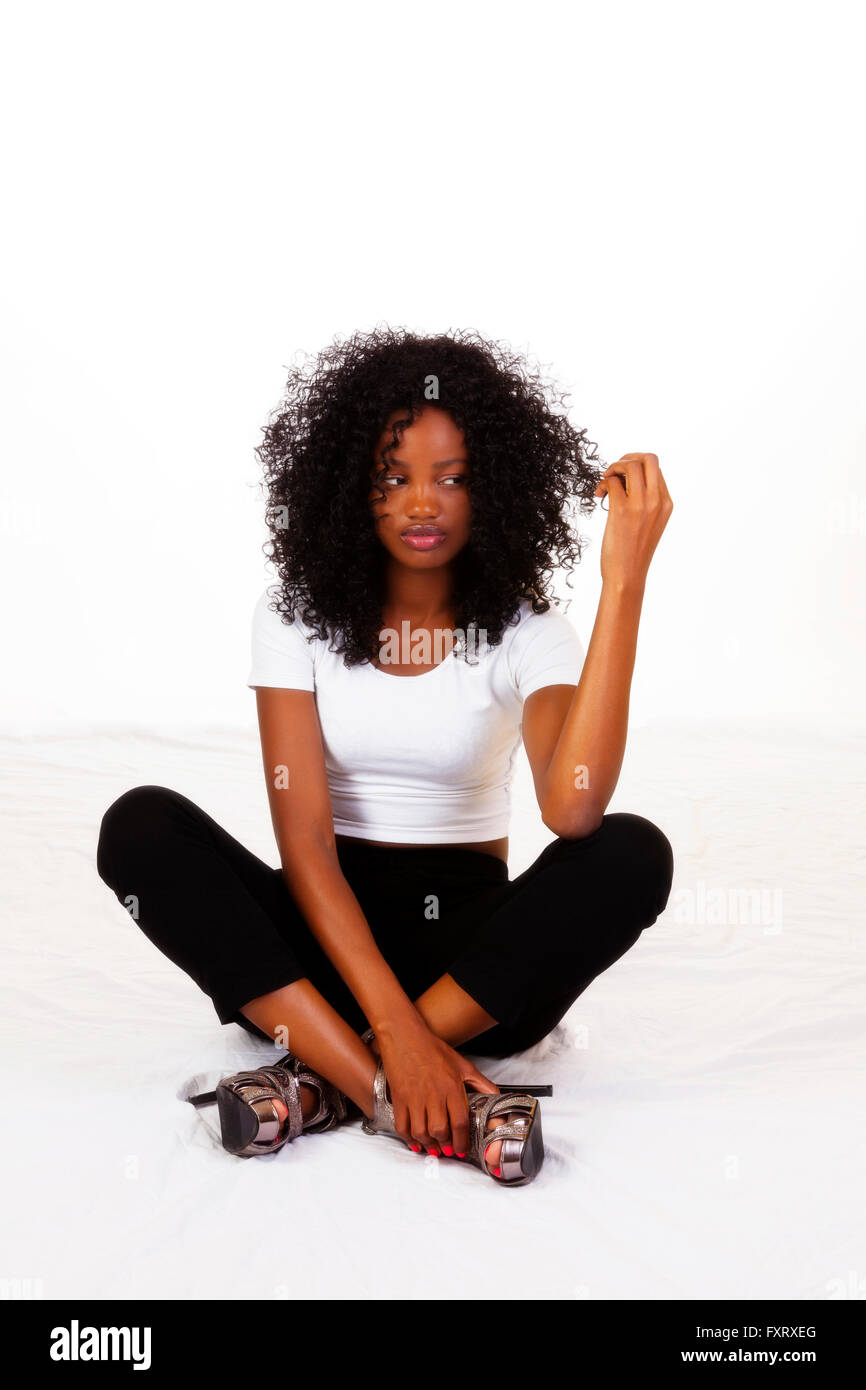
x,y
309,1100
309,1103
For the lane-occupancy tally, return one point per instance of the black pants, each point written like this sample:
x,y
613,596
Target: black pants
x,y
524,949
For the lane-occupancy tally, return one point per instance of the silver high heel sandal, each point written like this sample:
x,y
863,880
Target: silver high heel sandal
x,y
249,1122
522,1152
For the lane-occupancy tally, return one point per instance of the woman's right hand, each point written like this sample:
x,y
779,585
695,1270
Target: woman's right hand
x,y
425,1079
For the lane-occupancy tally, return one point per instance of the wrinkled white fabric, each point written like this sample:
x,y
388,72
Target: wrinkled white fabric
x,y
706,1134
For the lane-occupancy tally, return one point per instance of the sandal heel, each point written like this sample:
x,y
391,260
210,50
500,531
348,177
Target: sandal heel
x,y
520,1161
535,1090
205,1098
239,1124
522,1151
249,1122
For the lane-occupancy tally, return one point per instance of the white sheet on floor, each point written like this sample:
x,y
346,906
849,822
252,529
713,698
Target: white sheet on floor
x,y
706,1134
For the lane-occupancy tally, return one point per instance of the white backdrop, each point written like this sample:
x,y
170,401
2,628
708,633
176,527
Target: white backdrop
x,y
663,205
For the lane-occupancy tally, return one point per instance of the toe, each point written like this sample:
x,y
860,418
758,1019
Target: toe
x,y
494,1150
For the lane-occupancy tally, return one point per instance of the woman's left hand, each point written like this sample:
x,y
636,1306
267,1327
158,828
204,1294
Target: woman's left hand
x,y
640,505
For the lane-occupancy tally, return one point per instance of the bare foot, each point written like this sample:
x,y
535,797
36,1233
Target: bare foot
x,y
309,1103
494,1150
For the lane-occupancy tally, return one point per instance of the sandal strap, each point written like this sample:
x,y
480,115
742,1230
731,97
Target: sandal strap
x,y
285,1078
383,1110
263,1084
383,1121
332,1103
513,1131
482,1108
486,1106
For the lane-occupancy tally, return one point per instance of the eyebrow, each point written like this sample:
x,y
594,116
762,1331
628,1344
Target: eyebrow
x,y
443,463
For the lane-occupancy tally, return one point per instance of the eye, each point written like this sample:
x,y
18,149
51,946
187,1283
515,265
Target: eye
x,y
458,478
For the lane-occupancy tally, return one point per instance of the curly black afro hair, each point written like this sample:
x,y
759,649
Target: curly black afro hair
x,y
529,467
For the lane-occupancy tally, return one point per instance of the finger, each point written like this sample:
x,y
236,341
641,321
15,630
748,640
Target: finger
x,y
626,457
458,1118
616,494
609,487
407,1123
477,1081
615,479
657,495
649,464
653,478
403,1126
439,1125
421,1131
620,464
630,471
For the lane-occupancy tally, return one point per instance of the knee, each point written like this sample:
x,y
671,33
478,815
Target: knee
x,y
634,856
647,858
128,822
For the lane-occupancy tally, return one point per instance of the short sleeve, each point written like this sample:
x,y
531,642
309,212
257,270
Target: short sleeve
x,y
281,654
546,650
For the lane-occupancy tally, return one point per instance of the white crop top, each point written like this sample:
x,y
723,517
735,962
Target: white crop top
x,y
423,759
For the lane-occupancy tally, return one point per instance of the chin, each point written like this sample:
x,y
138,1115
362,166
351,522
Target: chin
x,y
417,560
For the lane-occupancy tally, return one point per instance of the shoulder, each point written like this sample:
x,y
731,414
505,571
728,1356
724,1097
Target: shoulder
x,y
283,649
530,627
268,619
542,649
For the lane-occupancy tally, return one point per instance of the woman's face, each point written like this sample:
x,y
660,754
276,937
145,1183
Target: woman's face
x,y
423,520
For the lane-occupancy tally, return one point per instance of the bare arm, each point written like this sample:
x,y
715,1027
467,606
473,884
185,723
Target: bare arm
x,y
294,764
575,736
425,1075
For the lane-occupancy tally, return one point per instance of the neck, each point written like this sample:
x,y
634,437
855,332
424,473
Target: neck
x,y
419,595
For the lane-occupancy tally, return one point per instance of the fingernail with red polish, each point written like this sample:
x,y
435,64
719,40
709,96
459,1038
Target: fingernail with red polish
x,y
461,1155
497,1172
434,1153
447,1149
416,1148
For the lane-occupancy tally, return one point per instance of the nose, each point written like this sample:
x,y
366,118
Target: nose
x,y
422,502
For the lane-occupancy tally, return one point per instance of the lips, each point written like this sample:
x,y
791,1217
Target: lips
x,y
423,537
